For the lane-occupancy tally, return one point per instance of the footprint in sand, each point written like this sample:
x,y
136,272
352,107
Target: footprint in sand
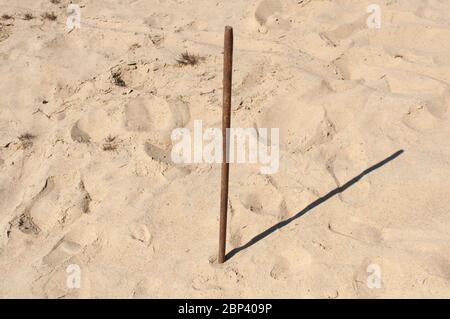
x,y
132,75
402,82
346,164
44,212
79,135
291,262
140,233
141,290
159,20
357,229
254,78
37,215
69,281
163,155
71,245
87,128
47,212
366,275
269,15
4,33
137,115
435,11
156,115
280,269
267,201
302,125
236,238
344,31
438,107
25,224
420,119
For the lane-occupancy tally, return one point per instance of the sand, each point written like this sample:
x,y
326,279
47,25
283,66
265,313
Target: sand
x,y
86,183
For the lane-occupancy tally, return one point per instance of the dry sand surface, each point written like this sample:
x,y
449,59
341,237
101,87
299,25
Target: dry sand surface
x,y
86,177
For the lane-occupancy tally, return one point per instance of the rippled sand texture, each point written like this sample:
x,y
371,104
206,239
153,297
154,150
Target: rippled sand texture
x,y
85,171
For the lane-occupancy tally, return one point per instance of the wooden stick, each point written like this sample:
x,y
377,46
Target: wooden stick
x,y
226,121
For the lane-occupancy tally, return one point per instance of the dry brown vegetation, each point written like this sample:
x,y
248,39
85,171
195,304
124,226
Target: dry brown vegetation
x,y
49,16
117,78
28,16
27,140
187,58
110,143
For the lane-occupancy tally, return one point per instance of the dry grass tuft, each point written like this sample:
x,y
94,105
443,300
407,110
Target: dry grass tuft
x,y
189,59
49,16
6,17
117,78
110,143
28,16
27,140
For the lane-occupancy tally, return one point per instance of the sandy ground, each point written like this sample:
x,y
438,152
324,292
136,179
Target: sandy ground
x,y
85,178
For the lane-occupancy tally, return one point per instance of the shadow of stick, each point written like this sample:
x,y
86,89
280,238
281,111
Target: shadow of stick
x,y
314,204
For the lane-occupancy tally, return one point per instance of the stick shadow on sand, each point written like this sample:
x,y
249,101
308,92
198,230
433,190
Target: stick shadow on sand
x,y
314,204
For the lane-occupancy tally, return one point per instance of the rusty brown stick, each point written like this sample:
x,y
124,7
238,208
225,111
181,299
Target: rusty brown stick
x,y
226,121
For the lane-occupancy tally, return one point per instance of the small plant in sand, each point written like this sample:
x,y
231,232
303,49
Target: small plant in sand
x,y
27,140
49,16
117,78
110,143
55,1
28,16
187,58
6,17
